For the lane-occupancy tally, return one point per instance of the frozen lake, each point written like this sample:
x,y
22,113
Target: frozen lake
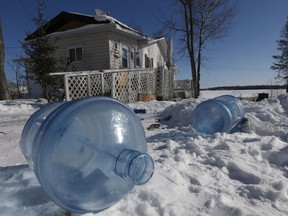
x,y
242,93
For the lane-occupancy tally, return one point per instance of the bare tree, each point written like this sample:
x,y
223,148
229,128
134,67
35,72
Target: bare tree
x,y
20,76
197,22
4,93
281,60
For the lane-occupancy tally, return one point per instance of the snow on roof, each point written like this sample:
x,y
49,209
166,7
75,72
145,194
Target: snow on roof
x,y
81,14
88,22
102,18
79,29
104,21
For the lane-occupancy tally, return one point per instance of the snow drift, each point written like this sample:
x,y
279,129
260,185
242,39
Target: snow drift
x,y
243,173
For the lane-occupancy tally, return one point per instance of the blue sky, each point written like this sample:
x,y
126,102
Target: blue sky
x,y
244,57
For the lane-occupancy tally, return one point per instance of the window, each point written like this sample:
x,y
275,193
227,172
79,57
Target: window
x,y
148,62
76,54
137,59
124,57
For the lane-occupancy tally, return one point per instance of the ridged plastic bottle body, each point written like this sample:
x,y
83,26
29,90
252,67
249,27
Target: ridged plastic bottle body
x,y
89,153
235,106
220,114
30,130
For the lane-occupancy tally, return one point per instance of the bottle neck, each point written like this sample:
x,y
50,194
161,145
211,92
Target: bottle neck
x,y
135,166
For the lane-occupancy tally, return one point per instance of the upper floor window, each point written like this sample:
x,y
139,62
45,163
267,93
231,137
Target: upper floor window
x,y
76,54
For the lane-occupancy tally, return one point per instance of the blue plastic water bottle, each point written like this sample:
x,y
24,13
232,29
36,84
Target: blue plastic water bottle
x,y
87,154
220,114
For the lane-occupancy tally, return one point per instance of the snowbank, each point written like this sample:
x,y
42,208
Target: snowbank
x,y
244,173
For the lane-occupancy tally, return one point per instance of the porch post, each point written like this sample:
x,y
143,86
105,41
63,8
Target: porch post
x,y
113,85
66,87
102,84
88,85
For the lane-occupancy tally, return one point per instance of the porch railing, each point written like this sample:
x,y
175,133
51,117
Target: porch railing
x,y
122,84
183,88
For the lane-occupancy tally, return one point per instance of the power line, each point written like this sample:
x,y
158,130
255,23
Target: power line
x,y
12,47
227,67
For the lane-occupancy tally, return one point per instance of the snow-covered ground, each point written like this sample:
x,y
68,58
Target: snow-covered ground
x,y
244,173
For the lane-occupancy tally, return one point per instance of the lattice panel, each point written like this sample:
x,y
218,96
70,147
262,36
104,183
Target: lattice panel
x,y
127,85
164,83
143,82
159,79
124,85
133,86
121,86
77,87
147,83
95,84
107,79
183,84
151,83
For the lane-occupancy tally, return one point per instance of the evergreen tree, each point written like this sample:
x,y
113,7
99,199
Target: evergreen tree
x,y
281,61
39,49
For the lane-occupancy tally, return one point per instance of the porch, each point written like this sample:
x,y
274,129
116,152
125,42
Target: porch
x,y
123,84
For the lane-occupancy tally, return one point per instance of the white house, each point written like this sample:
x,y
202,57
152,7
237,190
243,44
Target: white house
x,y
100,42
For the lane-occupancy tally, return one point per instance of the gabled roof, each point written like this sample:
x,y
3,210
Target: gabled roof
x,y
67,21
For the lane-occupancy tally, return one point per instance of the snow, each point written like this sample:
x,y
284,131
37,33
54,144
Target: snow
x,y
243,93
243,173
122,26
102,18
113,24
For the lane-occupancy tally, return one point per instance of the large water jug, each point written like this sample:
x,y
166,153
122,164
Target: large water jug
x,y
87,154
220,114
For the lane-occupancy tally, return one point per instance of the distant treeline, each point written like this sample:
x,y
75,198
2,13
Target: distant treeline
x,y
248,87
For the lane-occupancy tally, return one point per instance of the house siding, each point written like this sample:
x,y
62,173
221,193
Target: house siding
x,y
95,51
102,50
102,45
153,52
117,41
